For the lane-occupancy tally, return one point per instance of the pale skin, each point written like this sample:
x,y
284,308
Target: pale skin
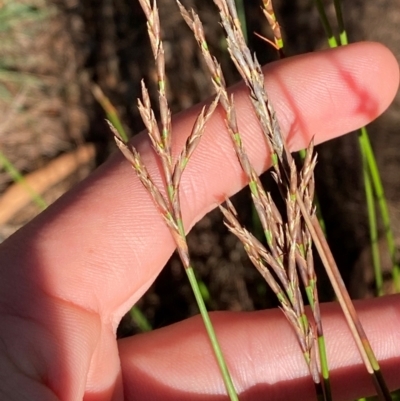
x,y
68,277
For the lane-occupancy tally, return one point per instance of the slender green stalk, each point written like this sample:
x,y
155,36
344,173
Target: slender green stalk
x,y
373,228
311,293
362,137
339,17
359,335
211,335
242,17
110,110
325,23
140,319
380,196
205,293
19,178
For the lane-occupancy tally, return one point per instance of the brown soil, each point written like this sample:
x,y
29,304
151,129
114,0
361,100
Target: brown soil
x,y
105,42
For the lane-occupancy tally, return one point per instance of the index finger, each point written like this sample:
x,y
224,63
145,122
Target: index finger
x,y
106,236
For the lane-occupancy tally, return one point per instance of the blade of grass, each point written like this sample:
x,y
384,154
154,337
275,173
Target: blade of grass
x,y
325,23
339,17
19,178
140,319
380,196
373,232
110,110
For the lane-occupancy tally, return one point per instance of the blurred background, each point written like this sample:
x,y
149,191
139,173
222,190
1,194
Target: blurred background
x,y
53,131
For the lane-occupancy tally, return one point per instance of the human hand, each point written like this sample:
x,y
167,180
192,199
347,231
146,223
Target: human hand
x,y
69,276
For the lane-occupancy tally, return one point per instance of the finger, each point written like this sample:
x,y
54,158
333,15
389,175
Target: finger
x,y
81,264
264,358
118,239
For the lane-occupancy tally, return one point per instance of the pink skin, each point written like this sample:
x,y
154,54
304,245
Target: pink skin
x,y
69,275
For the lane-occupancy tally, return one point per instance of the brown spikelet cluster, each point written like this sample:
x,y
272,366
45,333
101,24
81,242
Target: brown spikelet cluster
x,y
288,243
167,199
160,136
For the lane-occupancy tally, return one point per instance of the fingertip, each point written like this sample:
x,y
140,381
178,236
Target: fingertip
x,y
336,91
383,67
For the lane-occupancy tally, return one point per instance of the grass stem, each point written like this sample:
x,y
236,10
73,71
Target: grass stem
x,y
140,319
212,335
110,110
380,196
325,23
17,177
373,228
339,17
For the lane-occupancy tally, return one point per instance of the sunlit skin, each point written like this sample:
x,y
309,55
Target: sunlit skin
x,y
68,277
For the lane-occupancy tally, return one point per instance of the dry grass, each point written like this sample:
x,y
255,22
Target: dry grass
x,y
38,64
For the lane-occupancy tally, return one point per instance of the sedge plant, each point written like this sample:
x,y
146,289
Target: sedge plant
x,y
281,239
288,251
167,199
251,73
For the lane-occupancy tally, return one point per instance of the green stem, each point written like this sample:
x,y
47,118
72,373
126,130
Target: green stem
x,y
212,336
242,18
321,346
17,177
324,368
373,229
339,16
380,196
140,319
110,110
325,23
